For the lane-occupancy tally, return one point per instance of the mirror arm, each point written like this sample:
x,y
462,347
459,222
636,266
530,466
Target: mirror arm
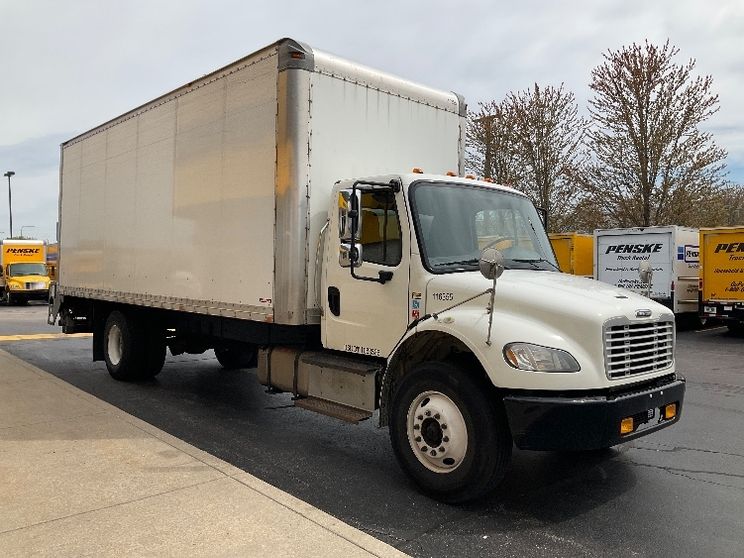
x,y
395,186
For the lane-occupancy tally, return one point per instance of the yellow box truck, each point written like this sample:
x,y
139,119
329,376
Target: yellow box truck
x,y
23,271
722,275
575,252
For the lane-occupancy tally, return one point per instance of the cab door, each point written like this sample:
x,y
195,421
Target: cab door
x,y
366,306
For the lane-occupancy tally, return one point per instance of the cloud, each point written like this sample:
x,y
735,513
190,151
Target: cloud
x,y
67,67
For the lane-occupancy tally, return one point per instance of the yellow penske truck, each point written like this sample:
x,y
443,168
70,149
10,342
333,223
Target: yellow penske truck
x,y
430,301
574,252
722,275
23,271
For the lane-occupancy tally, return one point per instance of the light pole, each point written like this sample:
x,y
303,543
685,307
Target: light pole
x,y
26,227
10,202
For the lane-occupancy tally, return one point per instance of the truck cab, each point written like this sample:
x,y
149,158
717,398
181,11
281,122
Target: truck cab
x,y
558,361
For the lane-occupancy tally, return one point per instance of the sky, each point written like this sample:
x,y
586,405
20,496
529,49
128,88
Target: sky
x,y
66,67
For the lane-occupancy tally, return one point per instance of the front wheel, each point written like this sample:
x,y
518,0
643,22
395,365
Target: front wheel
x,y
449,433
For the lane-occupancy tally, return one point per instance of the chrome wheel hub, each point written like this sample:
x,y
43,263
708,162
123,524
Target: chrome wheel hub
x,y
114,345
437,432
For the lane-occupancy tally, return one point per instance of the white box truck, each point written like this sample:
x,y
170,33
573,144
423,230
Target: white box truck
x,y
674,257
264,211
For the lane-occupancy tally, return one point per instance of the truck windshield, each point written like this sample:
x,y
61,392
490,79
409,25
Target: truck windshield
x,y
454,222
18,269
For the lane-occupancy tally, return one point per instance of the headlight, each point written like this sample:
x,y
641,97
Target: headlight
x,y
15,286
535,358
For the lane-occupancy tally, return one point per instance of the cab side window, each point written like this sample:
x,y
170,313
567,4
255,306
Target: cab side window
x,y
380,237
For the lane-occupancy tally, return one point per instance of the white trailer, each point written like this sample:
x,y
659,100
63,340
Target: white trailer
x,y
265,211
672,252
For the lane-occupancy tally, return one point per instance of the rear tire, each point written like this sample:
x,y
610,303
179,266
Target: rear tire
x,y
235,357
458,449
736,328
132,352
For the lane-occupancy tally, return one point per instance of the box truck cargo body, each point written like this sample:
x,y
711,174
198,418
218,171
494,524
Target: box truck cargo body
x,y
163,199
574,252
266,211
672,253
722,275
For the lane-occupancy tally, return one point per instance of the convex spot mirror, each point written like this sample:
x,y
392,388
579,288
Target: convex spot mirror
x,y
645,272
347,257
348,208
491,263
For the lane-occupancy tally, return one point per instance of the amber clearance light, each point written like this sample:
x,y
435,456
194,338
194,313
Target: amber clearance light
x,y
626,425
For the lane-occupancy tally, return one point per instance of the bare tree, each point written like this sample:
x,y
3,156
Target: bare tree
x,y
490,145
725,207
548,135
653,164
532,140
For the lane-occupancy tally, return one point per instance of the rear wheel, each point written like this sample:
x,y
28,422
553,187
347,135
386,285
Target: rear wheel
x,y
737,328
234,357
448,433
132,351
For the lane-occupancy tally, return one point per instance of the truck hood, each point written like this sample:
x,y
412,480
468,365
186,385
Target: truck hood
x,y
543,308
543,293
28,279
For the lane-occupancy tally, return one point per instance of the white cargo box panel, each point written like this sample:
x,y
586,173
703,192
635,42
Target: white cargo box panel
x,y
672,251
211,198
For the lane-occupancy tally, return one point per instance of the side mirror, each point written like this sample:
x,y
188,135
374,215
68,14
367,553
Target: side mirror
x,y
349,215
645,271
543,213
491,263
347,258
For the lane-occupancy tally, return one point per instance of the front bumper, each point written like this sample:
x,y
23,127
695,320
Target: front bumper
x,y
733,311
584,422
26,294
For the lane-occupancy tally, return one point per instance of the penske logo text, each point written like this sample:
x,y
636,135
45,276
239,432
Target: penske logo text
x,y
730,247
23,251
634,248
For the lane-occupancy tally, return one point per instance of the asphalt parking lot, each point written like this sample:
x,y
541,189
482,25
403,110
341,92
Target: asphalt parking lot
x,y
679,492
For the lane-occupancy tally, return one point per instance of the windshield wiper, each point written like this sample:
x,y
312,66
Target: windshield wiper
x,y
536,261
471,261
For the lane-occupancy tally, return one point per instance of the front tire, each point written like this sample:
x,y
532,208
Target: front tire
x,y
449,433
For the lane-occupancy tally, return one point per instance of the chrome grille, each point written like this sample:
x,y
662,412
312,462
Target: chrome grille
x,y
638,348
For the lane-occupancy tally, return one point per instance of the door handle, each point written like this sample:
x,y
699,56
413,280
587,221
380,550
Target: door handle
x,y
334,301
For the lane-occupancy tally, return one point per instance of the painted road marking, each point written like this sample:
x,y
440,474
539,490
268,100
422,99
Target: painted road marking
x,y
41,336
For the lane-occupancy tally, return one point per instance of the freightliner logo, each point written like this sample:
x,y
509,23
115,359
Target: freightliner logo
x,y
634,248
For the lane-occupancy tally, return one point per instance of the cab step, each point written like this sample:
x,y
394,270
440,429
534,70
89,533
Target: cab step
x,y
331,409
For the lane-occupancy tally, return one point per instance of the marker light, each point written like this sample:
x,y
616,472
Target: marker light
x,y
670,411
470,176
417,170
451,173
626,425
